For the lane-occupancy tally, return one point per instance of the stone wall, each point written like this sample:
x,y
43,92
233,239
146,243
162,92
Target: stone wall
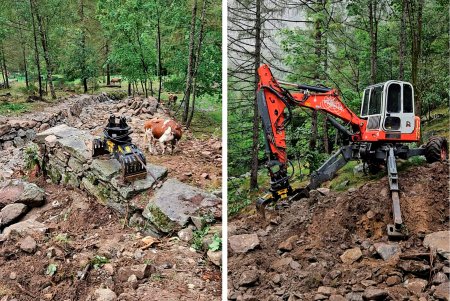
x,y
17,131
65,158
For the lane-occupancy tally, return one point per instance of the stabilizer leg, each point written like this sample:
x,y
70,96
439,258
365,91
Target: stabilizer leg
x,y
396,230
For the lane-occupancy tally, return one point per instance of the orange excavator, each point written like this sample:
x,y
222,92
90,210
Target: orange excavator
x,y
377,137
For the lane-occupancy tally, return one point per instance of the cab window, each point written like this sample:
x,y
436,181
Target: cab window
x,y
394,98
407,99
375,100
365,104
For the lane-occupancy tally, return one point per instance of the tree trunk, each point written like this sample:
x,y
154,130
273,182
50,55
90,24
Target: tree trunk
x,y
326,142
151,87
108,70
129,88
373,31
191,114
45,48
159,57
85,85
313,139
401,55
255,142
5,69
83,49
190,70
36,51
24,58
197,61
416,31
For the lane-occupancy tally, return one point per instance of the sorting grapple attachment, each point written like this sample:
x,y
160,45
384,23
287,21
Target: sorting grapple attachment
x,y
116,140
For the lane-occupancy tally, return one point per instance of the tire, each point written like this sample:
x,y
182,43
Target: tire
x,y
436,149
374,167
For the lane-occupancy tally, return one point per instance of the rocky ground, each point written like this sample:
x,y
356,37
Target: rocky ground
x,y
59,243
333,246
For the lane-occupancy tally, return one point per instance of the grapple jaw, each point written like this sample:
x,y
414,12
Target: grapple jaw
x,y
133,163
116,141
99,147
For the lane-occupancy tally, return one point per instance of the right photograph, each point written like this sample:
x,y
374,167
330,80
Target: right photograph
x,y
338,171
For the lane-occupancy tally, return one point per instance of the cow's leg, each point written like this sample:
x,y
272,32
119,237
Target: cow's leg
x,y
145,138
163,146
173,143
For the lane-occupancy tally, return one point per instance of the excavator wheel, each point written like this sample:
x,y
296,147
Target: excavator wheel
x,y
436,149
374,166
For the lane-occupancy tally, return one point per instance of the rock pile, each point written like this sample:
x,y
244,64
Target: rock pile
x,y
17,197
65,157
333,245
17,131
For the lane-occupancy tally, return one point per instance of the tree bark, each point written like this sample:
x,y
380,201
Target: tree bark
x,y
401,55
36,52
83,49
326,142
24,59
108,69
255,138
191,113
159,55
5,69
373,31
415,14
45,48
190,70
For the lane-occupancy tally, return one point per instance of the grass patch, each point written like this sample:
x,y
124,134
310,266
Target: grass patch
x,y
13,109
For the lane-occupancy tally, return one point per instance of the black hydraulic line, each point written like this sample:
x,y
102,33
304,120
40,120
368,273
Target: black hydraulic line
x,y
339,126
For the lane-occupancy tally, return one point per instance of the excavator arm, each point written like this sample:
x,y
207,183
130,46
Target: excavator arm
x,y
275,104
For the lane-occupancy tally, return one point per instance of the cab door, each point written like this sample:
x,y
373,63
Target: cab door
x,y
399,108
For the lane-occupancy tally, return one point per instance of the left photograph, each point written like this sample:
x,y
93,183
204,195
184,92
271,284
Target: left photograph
x,y
110,150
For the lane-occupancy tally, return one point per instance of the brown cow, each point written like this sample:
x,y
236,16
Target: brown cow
x,y
162,131
172,99
116,80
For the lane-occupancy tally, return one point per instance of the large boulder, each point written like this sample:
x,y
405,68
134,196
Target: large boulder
x,y
243,243
11,213
439,241
175,203
18,191
28,227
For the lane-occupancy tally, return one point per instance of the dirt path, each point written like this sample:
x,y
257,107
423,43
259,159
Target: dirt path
x,y
321,230
79,229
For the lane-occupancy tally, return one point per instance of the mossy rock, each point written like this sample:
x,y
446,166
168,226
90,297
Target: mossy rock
x,y
159,219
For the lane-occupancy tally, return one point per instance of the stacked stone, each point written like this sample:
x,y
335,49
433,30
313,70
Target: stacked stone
x,y
137,106
17,131
66,158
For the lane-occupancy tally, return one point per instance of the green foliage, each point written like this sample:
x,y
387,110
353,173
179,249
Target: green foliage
x,y
198,237
51,269
10,108
30,90
31,156
99,261
62,238
216,244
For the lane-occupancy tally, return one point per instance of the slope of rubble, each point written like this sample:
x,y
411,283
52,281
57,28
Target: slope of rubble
x,y
59,240
333,246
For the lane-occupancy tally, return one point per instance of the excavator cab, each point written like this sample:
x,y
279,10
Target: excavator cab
x,y
389,108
